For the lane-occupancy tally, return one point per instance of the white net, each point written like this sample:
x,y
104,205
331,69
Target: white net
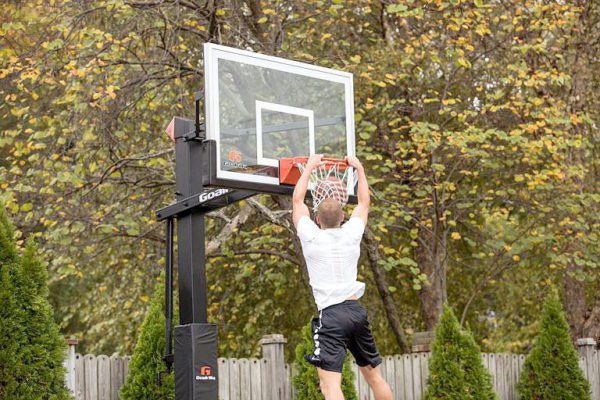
x,y
330,180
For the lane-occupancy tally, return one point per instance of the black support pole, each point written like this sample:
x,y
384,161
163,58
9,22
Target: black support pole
x,y
196,369
190,227
169,295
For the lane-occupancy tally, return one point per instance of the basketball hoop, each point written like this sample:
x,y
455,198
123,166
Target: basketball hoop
x,y
330,179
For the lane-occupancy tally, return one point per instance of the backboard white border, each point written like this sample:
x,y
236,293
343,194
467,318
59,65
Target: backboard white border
x,y
213,53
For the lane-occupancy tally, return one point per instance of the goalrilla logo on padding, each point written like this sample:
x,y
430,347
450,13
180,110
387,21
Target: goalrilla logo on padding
x,y
206,374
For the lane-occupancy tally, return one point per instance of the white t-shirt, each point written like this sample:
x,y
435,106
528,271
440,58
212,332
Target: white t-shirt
x,y
331,257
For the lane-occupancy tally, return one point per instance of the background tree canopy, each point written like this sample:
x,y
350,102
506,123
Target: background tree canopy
x,y
477,121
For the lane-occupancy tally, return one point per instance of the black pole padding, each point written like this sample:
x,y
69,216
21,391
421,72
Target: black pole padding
x,y
168,357
197,368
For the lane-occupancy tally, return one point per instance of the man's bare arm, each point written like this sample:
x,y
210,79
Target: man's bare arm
x,y
299,209
364,198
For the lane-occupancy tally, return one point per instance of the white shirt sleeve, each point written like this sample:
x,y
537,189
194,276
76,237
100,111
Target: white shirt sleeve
x,y
307,230
354,229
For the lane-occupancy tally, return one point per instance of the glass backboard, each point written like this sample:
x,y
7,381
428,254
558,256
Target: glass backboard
x,y
260,109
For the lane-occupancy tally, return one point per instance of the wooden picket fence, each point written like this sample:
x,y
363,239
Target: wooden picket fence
x,y
99,378
407,375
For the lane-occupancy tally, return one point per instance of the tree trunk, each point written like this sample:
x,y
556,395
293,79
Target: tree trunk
x,y
575,302
387,28
591,327
432,260
582,323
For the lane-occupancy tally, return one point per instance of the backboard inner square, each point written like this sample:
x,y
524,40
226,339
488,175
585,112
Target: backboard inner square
x,y
283,128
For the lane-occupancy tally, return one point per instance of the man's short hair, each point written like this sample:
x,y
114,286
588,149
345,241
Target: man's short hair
x,y
330,213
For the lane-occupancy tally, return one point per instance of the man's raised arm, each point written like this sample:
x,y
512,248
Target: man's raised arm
x,y
362,209
299,209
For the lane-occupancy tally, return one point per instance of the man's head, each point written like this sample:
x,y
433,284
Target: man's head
x,y
330,214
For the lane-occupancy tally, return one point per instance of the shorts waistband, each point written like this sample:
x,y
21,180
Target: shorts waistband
x,y
345,302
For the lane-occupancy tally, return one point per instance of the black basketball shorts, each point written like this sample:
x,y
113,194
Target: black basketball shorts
x,y
339,327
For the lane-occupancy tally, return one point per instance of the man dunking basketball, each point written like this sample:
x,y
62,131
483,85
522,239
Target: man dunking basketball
x,y
331,251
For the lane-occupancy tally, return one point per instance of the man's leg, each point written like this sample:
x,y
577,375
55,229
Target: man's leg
x,y
331,384
378,385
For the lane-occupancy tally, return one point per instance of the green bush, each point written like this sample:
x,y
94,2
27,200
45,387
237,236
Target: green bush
x,y
11,333
8,251
32,350
551,371
306,381
146,362
455,369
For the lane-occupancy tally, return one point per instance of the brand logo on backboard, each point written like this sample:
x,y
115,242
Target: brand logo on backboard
x,y
234,160
235,156
206,374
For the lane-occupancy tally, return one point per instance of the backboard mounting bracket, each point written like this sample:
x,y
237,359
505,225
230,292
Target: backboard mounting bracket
x,y
200,128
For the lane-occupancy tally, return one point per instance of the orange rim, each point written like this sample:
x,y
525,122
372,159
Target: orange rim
x,y
329,162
